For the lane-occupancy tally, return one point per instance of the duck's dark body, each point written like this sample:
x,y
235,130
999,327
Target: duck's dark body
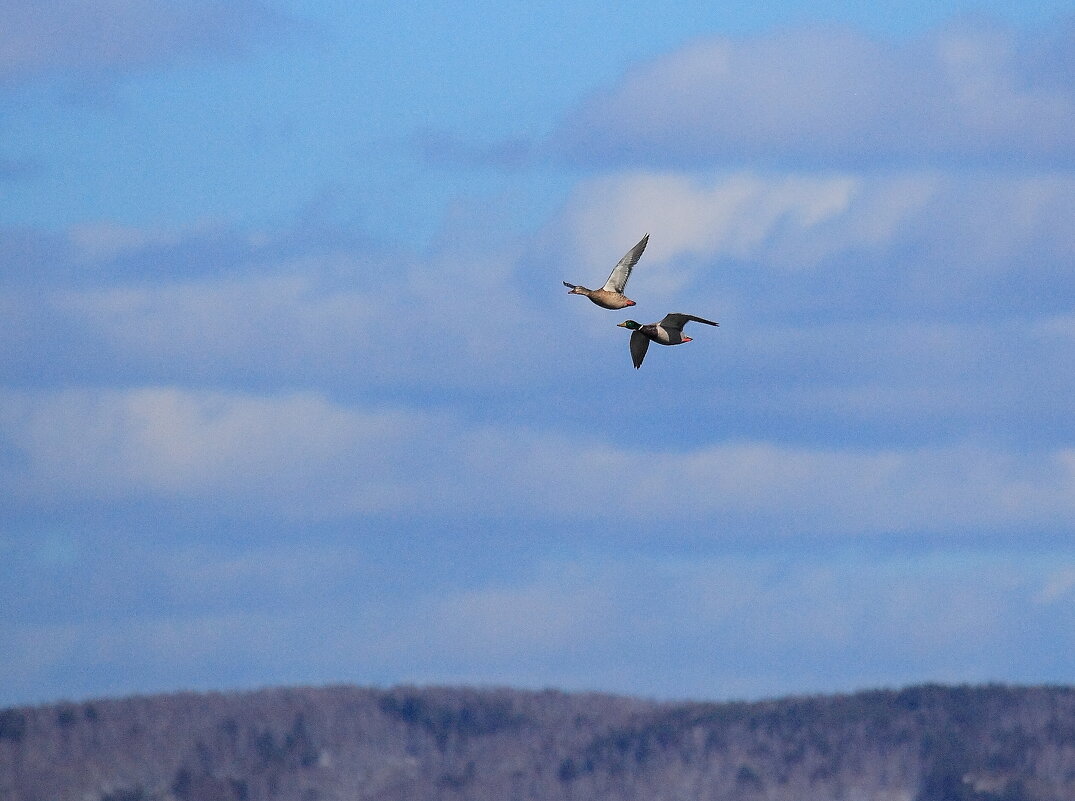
x,y
668,331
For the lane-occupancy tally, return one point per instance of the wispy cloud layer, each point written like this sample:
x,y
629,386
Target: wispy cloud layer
x,y
310,459
80,38
703,626
299,454
968,94
915,243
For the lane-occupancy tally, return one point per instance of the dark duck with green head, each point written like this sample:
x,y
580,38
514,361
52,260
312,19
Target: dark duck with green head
x,y
668,331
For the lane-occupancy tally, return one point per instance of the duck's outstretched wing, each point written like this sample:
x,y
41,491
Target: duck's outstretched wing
x,y
677,320
617,280
639,346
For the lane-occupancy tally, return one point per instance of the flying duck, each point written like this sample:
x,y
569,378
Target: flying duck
x,y
668,331
611,296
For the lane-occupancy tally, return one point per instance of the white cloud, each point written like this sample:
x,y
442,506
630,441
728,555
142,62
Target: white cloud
x,y
337,318
498,624
717,626
701,623
983,223
99,36
296,454
104,240
271,322
306,457
1060,327
740,216
1058,586
836,96
766,488
122,654
199,576
732,216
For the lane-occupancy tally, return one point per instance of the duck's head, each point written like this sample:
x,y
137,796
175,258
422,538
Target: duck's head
x,y
631,325
577,290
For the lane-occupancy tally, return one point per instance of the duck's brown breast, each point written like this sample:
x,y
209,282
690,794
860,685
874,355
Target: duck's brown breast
x,y
610,300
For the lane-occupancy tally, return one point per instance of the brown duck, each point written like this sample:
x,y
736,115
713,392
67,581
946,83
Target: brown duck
x,y
611,296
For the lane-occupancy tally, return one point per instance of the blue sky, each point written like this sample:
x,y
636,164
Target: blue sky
x,y
291,392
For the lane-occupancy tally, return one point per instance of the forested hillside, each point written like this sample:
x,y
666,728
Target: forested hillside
x,y
927,743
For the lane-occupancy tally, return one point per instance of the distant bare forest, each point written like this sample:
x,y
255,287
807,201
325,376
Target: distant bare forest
x,y
928,743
